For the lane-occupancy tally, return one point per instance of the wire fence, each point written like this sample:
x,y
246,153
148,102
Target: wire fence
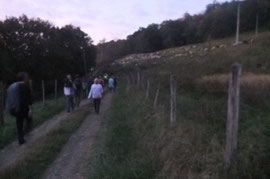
x,y
2,104
41,91
221,101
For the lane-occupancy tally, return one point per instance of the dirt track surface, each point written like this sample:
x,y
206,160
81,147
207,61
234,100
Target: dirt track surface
x,y
13,152
72,162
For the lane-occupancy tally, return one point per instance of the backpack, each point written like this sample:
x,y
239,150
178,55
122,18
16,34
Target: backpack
x,y
13,99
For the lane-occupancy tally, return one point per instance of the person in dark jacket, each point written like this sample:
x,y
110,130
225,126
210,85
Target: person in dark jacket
x,y
78,90
25,109
84,88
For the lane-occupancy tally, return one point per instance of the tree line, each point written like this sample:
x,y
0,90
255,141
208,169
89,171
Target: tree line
x,y
47,52
43,50
218,21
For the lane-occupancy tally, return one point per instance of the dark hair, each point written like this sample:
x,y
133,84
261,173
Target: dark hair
x,y
21,76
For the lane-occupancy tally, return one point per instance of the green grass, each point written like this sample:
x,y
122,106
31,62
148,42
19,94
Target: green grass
x,y
44,151
40,114
117,154
194,146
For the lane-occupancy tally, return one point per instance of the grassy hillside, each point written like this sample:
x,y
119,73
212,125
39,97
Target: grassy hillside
x,y
194,146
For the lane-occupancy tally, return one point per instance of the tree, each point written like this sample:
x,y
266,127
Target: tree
x,y
44,51
218,21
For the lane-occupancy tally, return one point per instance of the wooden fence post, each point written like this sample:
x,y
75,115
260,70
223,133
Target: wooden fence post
x,y
147,90
232,117
131,79
31,88
237,24
141,81
156,97
138,79
55,90
128,84
173,98
43,92
31,85
2,101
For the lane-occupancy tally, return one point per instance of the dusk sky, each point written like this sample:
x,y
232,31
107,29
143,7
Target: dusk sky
x,y
109,19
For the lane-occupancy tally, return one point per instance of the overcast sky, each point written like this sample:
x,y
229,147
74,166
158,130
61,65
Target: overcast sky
x,y
109,19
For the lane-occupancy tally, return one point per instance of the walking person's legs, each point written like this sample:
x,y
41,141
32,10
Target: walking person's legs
x,y
78,99
84,93
68,104
72,104
98,105
95,104
20,132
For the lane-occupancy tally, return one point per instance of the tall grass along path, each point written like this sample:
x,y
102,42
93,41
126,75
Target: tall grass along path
x,y
72,162
14,153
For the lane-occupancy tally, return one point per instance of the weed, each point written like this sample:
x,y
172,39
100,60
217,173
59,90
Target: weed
x,y
41,114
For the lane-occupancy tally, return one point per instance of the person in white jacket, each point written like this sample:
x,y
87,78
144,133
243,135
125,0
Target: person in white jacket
x,y
96,94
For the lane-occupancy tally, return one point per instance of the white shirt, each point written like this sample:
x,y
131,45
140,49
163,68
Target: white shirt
x,y
96,91
67,91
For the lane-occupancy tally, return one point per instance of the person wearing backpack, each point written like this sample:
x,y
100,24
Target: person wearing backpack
x,y
19,102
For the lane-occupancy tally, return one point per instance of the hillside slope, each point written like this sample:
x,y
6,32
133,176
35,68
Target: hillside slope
x,y
194,146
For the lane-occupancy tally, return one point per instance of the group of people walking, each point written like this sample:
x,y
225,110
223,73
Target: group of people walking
x,y
74,89
19,97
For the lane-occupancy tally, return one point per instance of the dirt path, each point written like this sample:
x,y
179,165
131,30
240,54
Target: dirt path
x,y
73,159
13,152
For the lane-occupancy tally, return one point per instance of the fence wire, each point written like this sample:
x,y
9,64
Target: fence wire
x,y
36,87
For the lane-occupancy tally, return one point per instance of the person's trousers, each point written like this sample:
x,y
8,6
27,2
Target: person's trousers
x,y
111,89
20,124
78,99
69,103
84,93
97,105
